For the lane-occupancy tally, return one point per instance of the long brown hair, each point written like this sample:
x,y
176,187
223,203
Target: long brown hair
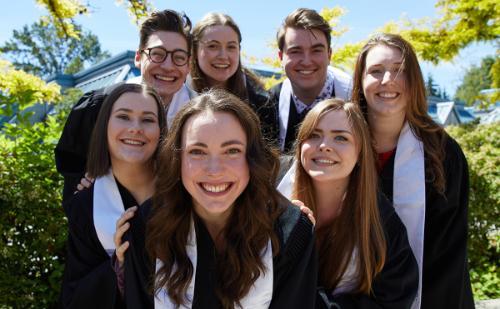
x,y
358,226
429,132
249,226
99,161
236,83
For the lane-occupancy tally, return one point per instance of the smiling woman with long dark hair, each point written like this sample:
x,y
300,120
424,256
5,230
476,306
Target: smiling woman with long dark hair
x,y
122,158
219,234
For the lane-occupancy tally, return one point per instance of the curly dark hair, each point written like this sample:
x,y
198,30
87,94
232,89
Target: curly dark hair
x,y
249,227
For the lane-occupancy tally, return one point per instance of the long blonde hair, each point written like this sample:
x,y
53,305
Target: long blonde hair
x,y
358,226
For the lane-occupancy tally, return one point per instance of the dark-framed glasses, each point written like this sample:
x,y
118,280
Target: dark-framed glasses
x,y
159,54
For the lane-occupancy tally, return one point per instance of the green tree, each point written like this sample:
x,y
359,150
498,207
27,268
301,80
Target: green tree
x,y
431,87
37,49
475,79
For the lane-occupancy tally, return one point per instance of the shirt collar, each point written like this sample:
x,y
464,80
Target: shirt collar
x,y
325,93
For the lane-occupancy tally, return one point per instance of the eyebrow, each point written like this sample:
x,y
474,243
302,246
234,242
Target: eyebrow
x,y
128,110
169,50
333,131
381,64
218,42
318,45
225,144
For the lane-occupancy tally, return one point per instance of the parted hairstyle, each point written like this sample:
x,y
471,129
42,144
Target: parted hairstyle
x,y
236,83
249,226
166,20
99,162
306,19
358,226
429,132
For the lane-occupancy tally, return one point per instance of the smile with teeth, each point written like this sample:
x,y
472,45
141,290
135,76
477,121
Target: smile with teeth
x,y
165,78
132,142
324,161
215,188
388,95
306,72
221,66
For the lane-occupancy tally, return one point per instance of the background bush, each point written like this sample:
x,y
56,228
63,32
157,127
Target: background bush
x,y
481,145
32,222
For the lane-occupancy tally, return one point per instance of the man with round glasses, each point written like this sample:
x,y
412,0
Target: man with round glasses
x,y
163,58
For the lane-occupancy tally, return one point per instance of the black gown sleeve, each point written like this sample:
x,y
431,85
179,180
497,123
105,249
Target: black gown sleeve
x,y
139,268
295,267
89,279
396,285
446,282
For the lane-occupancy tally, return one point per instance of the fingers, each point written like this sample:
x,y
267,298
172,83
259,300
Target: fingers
x,y
305,210
298,203
122,226
127,215
85,182
120,253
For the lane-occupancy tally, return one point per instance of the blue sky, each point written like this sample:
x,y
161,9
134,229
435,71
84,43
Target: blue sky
x,y
258,21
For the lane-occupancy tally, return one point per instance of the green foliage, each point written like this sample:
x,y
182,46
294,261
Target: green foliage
x,y
37,49
32,221
61,13
20,90
481,145
475,79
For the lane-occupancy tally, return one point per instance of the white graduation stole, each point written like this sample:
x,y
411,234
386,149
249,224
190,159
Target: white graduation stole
x,y
180,99
409,195
259,296
285,186
108,207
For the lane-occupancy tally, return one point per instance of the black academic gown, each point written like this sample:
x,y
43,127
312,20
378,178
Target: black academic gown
x,y
395,287
73,145
294,281
89,278
445,282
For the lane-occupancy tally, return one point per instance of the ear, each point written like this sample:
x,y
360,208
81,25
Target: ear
x,y
280,55
330,54
137,59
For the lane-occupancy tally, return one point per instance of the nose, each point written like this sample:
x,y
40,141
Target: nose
x,y
214,166
136,127
167,63
306,58
325,146
222,52
387,77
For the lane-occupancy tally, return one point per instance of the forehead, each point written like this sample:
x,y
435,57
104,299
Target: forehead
x,y
216,127
136,102
334,120
382,54
220,33
168,39
304,38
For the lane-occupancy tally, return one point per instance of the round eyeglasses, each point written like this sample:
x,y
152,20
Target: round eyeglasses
x,y
159,54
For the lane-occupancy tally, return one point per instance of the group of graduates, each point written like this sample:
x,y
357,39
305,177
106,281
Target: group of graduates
x,y
179,185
